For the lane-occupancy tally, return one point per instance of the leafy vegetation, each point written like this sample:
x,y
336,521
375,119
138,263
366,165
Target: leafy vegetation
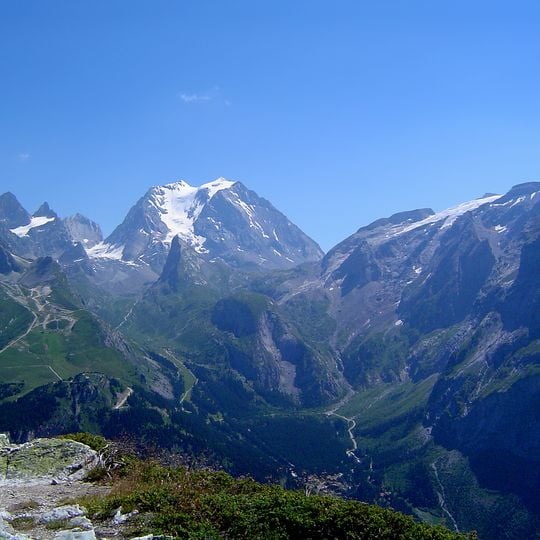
x,y
95,442
203,504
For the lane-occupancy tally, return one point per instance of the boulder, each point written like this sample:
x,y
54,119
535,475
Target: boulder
x,y
62,513
45,460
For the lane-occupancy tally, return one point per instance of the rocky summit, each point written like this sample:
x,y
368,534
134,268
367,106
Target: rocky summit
x,y
37,479
44,460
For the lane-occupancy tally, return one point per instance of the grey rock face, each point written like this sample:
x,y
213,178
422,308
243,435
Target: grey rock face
x,y
7,262
62,513
83,230
12,214
231,223
44,460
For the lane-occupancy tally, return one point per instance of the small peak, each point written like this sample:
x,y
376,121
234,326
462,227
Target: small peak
x,y
222,179
525,187
9,197
217,185
12,214
520,190
172,268
178,185
45,211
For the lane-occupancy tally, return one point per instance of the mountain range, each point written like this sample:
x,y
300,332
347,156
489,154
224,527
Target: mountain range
x,y
401,367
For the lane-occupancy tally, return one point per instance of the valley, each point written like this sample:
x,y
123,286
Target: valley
x,y
403,362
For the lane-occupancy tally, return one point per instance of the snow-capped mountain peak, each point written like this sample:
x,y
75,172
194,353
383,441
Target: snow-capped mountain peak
x,y
180,204
221,218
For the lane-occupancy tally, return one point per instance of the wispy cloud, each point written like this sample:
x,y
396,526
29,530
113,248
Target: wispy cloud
x,y
200,97
23,156
194,98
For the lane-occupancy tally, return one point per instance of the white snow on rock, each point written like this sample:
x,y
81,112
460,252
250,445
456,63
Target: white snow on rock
x,y
178,205
105,251
38,221
448,216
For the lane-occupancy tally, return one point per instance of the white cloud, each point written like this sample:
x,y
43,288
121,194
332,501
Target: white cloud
x,y
24,156
200,97
194,98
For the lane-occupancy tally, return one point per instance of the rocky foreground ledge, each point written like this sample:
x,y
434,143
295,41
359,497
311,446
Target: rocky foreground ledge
x,y
37,478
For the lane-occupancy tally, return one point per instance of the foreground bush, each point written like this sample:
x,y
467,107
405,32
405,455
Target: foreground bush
x,y
203,504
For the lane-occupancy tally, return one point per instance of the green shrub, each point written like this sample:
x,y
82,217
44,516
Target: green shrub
x,y
204,504
95,442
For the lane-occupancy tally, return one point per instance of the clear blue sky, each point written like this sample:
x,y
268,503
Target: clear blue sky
x,y
339,112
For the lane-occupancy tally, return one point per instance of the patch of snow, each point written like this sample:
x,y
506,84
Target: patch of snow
x,y
180,204
517,201
448,216
34,222
217,185
399,322
502,204
417,269
533,195
106,251
500,228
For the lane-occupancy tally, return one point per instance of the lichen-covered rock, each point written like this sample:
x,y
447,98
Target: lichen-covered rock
x,y
4,440
62,513
44,460
81,522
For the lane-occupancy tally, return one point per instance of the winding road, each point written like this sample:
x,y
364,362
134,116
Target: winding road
x,y
351,452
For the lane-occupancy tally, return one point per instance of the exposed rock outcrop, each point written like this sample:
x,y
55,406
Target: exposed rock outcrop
x,y
45,460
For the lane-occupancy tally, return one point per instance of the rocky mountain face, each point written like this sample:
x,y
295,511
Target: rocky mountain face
x,y
83,230
12,214
421,328
219,220
210,314
436,321
43,233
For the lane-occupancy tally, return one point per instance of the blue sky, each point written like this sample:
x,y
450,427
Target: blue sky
x,y
339,112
